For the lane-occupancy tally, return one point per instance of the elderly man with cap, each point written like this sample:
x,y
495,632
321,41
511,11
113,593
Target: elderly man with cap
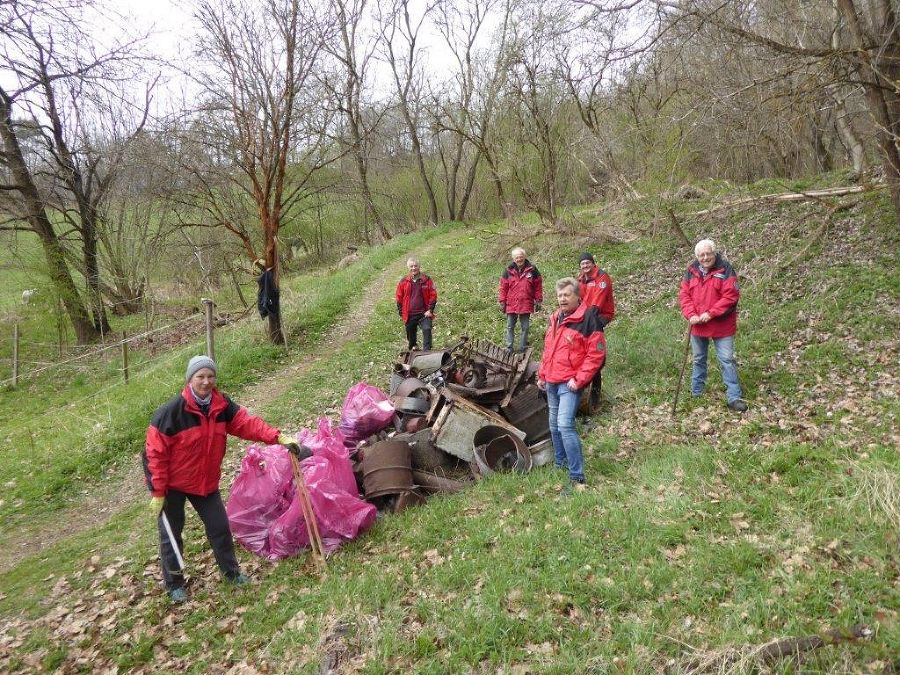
x,y
596,290
182,461
709,297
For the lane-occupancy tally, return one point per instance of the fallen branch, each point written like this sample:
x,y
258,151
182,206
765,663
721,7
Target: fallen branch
x,y
749,656
785,197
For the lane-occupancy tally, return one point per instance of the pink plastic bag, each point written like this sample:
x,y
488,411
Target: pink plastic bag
x,y
263,508
261,493
367,410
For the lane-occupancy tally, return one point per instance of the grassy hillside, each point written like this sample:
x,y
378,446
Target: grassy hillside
x,y
695,536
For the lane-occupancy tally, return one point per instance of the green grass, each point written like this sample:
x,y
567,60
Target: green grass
x,y
767,526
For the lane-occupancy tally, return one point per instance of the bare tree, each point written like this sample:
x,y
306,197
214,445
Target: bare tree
x,y
862,50
463,28
353,51
536,102
401,49
55,80
259,140
467,109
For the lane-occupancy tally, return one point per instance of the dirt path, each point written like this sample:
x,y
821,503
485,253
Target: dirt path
x,y
124,486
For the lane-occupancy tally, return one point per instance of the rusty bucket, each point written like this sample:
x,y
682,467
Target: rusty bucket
x,y
496,449
387,469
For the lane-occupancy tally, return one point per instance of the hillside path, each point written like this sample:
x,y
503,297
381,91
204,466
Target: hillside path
x,y
125,485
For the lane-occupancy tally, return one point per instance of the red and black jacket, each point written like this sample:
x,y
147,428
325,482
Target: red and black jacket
x,y
185,448
573,347
596,288
520,288
404,290
715,292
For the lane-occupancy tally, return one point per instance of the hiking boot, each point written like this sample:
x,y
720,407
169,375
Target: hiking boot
x,y
240,580
178,595
738,405
573,486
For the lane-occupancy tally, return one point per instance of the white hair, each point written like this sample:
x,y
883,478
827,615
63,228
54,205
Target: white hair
x,y
704,244
412,261
568,281
516,251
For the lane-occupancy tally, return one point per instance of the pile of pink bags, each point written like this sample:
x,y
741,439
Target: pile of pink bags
x,y
263,508
366,411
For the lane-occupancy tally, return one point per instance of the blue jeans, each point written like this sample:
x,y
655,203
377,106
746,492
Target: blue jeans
x,y
727,364
563,404
524,322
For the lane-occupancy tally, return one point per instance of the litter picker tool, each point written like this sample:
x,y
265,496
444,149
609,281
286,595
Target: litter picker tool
x,y
168,528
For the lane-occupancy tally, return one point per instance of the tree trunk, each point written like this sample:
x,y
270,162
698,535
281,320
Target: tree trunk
x,y
39,222
876,79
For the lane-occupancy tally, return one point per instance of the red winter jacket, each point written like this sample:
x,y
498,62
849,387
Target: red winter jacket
x,y
596,289
185,448
576,348
520,289
404,289
716,293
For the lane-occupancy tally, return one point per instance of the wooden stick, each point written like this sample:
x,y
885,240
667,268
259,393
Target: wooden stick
x,y
312,527
684,360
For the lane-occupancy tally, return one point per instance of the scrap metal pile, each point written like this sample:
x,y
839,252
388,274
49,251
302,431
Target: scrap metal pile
x,y
461,414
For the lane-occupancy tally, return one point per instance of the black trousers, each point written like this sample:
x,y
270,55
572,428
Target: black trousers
x,y
414,322
211,510
596,385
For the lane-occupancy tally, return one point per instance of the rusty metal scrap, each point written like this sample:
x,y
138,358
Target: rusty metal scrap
x,y
445,400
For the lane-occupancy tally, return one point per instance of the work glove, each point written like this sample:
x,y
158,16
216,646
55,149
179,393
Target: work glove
x,y
301,452
155,507
537,307
502,307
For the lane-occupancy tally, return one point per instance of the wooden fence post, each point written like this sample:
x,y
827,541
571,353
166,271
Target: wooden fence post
x,y
125,355
210,347
15,355
60,328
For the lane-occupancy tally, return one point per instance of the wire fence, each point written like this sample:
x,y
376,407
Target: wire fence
x,y
88,359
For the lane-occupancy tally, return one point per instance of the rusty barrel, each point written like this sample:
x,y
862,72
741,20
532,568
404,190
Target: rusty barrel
x,y
387,469
425,363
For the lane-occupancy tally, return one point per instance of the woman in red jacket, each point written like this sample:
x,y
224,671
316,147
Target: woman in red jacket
x,y
183,462
709,297
574,350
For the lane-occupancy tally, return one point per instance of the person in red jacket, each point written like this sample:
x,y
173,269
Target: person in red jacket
x,y
574,350
596,289
521,293
183,462
416,299
709,297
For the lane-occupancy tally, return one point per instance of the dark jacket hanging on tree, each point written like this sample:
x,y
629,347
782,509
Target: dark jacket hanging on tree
x,y
267,298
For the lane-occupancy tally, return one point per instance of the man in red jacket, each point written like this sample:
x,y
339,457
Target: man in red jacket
x,y
596,289
521,293
416,299
183,462
574,350
709,297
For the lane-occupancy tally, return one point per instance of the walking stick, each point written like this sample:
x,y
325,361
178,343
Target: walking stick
x,y
684,360
312,527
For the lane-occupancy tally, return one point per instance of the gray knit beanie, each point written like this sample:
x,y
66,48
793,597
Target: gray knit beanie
x,y
197,363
